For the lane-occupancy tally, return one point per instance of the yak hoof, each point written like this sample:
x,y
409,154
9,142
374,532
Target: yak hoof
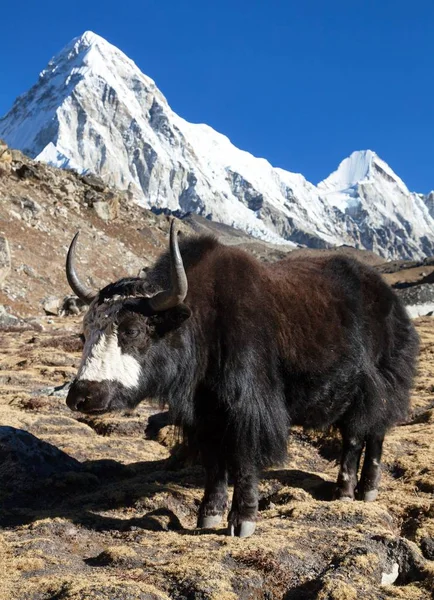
x,y
209,521
243,529
370,496
343,496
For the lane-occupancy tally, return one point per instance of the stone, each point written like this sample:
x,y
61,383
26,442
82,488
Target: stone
x,y
28,270
102,209
427,547
107,210
94,182
5,159
5,259
71,305
51,305
7,320
27,172
59,391
28,208
68,188
390,578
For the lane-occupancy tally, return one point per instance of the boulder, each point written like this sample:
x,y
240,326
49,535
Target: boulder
x,y
68,188
5,259
7,320
5,159
102,209
94,182
51,305
107,209
427,546
71,305
26,171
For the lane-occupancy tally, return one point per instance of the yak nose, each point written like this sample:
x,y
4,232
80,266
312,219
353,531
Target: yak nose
x,y
76,397
86,396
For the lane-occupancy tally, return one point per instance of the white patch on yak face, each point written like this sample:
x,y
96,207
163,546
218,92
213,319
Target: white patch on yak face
x,y
105,361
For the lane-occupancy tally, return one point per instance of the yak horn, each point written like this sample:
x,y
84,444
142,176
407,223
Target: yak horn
x,y
178,278
83,292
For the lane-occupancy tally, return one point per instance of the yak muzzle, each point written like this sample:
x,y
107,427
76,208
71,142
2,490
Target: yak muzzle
x,y
88,396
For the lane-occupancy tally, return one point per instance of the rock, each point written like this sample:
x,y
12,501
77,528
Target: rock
x,y
34,323
61,211
94,182
72,305
418,299
5,259
102,209
107,209
91,196
389,578
51,305
28,270
427,547
68,188
417,294
26,171
5,158
7,320
29,208
59,391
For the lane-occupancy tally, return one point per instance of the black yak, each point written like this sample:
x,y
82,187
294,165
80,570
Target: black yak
x,y
241,350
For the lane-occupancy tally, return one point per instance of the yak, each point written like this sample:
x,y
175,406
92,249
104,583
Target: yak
x,y
241,350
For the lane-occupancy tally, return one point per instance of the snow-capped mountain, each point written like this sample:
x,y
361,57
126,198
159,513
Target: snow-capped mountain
x,y
390,219
92,109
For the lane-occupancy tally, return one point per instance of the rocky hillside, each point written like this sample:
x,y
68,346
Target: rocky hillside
x,y
41,208
92,109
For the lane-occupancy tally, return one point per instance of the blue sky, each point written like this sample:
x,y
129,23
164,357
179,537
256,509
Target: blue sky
x,y
302,83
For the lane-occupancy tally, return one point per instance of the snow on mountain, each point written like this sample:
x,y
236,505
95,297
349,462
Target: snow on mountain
x,y
361,167
92,109
365,189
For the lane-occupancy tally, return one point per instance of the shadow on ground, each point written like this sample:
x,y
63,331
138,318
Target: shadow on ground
x,y
40,481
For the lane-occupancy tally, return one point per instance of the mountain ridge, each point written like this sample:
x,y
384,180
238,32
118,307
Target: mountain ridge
x,y
92,109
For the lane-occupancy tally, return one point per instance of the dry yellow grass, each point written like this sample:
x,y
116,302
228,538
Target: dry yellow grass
x,y
122,526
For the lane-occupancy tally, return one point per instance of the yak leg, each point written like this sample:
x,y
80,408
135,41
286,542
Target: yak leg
x,y
244,510
371,471
351,452
215,498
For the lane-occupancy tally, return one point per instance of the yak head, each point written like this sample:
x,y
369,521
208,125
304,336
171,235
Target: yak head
x,y
132,342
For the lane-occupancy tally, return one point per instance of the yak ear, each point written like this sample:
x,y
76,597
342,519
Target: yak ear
x,y
178,315
171,319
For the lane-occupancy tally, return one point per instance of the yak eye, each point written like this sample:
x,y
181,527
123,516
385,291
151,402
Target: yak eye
x,y
131,332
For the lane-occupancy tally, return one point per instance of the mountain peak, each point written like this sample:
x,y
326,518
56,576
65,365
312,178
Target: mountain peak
x,y
89,38
94,110
88,41
352,170
80,49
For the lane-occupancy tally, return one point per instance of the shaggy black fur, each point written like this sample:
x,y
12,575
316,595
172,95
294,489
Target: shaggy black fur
x,y
257,347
